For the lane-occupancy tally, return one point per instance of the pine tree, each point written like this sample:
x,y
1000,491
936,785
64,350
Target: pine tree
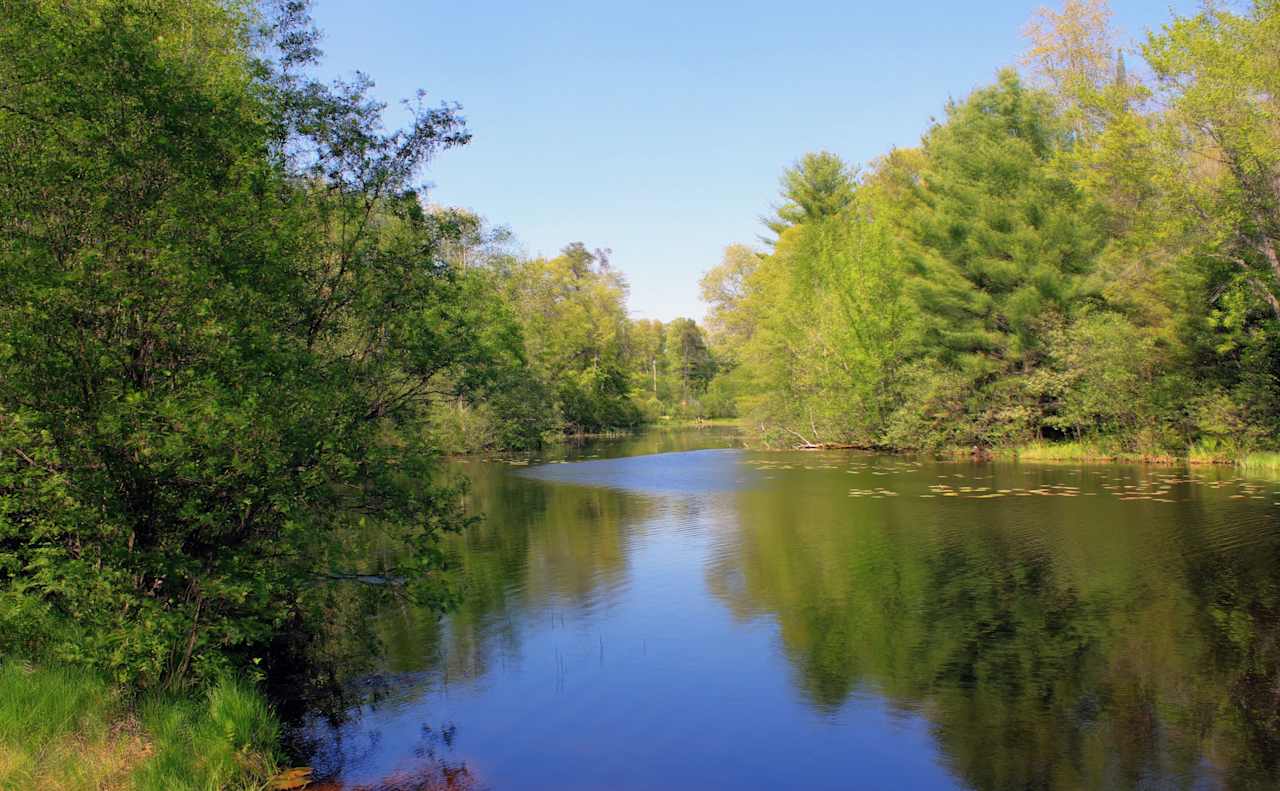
x,y
1000,240
819,185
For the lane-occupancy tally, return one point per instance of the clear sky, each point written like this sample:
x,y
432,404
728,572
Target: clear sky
x,y
659,129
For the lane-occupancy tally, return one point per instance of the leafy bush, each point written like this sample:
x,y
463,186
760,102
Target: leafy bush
x,y
223,316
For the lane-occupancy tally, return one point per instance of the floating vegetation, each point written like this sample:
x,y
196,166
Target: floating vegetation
x,y
1122,485
872,493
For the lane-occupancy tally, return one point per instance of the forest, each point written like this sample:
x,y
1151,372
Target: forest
x,y
238,340
1085,252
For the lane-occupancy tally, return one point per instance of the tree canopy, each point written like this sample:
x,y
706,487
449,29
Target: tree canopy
x,y
1088,254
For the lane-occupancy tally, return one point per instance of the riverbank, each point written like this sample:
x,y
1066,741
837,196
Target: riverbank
x,y
69,729
1260,463
664,423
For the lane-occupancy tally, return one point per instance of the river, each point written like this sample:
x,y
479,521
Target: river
x,y
673,611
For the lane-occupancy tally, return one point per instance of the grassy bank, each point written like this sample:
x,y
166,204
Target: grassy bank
x,y
680,422
66,730
1263,464
1078,452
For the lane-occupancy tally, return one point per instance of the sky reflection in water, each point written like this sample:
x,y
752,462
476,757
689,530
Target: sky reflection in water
x,y
724,618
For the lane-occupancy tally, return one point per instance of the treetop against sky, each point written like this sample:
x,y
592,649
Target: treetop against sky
x,y
659,130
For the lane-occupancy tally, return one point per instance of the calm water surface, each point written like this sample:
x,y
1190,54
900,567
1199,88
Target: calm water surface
x,y
673,612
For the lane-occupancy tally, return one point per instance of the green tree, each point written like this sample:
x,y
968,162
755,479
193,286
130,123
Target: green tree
x,y
222,312
1000,248
1216,74
834,323
688,360
573,313
648,342
1074,52
725,289
819,185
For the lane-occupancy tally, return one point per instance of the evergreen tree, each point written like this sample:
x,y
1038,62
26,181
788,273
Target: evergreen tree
x,y
819,185
1000,242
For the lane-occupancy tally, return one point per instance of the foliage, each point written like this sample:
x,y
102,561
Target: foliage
x,y
226,739
832,328
724,287
582,365
1000,241
1215,73
71,729
223,313
1092,260
819,185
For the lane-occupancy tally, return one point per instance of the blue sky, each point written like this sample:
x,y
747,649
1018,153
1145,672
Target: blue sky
x,y
659,129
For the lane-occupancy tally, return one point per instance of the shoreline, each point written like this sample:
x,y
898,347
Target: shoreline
x,y
1263,463
1260,463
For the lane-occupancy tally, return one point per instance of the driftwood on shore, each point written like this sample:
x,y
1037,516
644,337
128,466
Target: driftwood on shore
x,y
978,452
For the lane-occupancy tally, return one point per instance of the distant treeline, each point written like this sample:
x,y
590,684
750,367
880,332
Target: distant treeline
x,y
1088,253
585,366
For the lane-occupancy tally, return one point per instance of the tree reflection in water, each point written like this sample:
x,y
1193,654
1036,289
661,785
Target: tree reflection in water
x,y
1040,666
1047,643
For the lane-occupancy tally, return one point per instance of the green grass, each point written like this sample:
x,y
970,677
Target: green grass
x,y
56,731
1265,464
224,741
1078,452
1261,463
1060,451
70,730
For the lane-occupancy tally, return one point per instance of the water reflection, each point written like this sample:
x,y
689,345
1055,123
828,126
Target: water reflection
x,y
1081,644
827,620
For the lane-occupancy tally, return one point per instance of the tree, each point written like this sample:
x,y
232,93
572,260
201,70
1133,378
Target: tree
x,y
648,341
222,313
1001,241
1217,75
1074,259
1073,51
688,359
725,289
573,314
819,185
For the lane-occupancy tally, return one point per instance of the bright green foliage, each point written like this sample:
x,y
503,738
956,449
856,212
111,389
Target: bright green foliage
x,y
999,249
70,729
1077,262
672,368
829,327
688,360
646,341
223,741
1102,376
912,320
819,185
573,313
724,288
583,366
222,315
1001,241
590,367
38,709
1218,74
